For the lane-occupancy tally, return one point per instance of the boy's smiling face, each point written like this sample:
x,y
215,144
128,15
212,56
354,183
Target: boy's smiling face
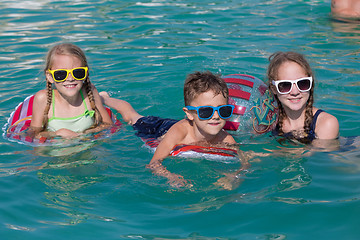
x,y
207,129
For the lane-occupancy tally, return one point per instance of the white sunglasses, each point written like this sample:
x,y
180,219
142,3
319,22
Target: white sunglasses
x,y
285,86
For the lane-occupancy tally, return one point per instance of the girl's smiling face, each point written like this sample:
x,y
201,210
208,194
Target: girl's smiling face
x,y
70,86
295,100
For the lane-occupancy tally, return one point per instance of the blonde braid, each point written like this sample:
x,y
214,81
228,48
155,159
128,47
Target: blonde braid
x,y
87,85
48,104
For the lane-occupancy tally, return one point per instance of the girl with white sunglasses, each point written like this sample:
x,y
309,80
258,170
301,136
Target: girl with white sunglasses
x,y
292,82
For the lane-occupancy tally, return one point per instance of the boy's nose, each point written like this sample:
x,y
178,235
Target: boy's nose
x,y
216,115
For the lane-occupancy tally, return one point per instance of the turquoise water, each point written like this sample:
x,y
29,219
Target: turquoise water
x,y
141,51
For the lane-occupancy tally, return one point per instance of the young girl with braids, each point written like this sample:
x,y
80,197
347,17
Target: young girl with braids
x,y
74,105
292,82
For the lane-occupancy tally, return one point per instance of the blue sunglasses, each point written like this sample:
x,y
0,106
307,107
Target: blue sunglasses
x,y
206,112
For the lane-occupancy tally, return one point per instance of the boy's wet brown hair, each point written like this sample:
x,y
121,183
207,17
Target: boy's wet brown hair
x,y
200,82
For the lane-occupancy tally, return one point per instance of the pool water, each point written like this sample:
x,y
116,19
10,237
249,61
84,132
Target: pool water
x,y
141,51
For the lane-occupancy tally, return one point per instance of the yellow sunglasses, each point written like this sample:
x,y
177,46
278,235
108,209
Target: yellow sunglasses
x,y
60,75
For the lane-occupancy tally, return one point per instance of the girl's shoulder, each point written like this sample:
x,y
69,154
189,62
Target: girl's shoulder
x,y
41,96
324,116
327,119
327,126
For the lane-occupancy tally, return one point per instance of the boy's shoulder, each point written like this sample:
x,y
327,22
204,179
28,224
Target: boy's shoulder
x,y
180,130
227,137
182,126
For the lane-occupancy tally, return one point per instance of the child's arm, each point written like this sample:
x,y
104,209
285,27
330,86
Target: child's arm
x,y
127,112
99,105
39,105
174,136
36,125
233,180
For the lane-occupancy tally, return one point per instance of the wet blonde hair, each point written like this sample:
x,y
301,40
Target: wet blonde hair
x,y
70,50
276,60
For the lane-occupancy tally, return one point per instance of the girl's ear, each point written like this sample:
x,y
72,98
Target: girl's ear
x,y
49,77
188,114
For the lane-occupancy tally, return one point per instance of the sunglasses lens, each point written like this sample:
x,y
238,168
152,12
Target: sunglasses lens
x,y
284,87
205,112
225,112
304,85
60,75
79,73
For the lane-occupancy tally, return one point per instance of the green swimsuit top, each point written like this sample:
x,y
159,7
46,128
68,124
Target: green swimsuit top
x,y
77,124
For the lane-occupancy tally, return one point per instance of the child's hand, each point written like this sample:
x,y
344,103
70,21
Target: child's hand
x,y
104,95
178,181
175,180
229,182
66,133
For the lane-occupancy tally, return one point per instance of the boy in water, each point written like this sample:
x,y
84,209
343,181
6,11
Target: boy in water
x,y
206,108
